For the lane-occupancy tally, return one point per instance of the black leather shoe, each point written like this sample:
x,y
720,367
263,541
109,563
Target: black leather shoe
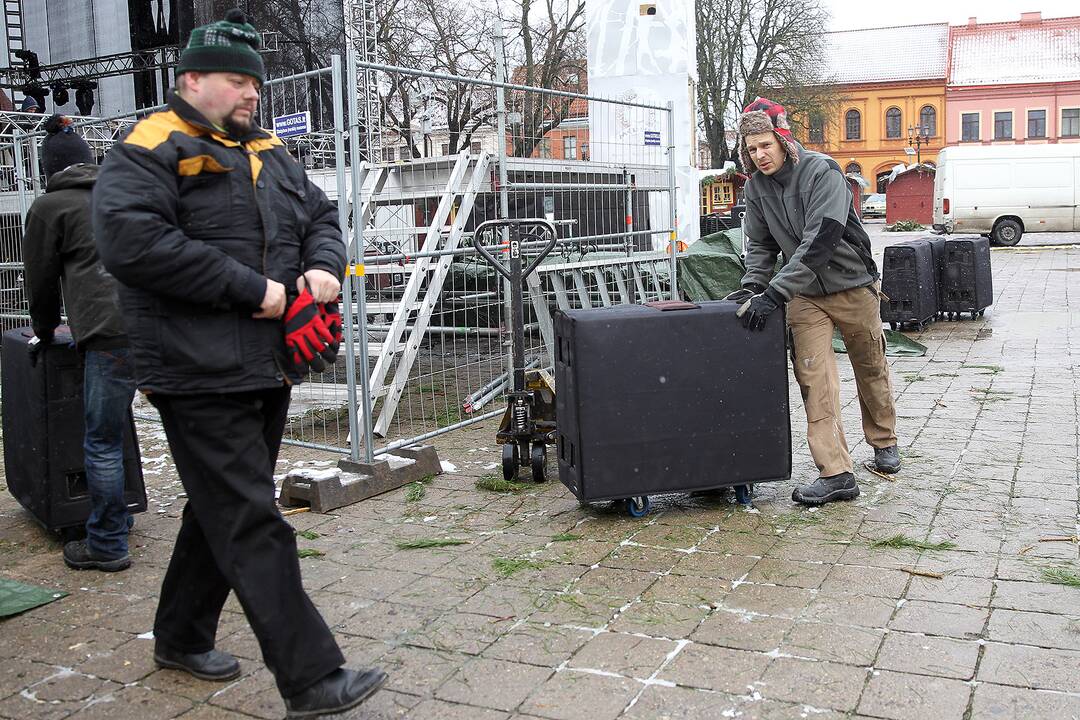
x,y
77,556
827,489
339,691
214,665
887,460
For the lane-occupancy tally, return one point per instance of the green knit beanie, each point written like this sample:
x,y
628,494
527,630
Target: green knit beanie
x,y
229,45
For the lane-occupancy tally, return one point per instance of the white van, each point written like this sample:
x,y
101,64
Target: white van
x,y
1004,191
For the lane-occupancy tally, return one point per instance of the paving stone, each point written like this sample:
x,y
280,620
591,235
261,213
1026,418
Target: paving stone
x,y
715,565
715,668
592,611
838,643
614,582
926,655
453,711
419,671
671,536
461,632
999,702
959,621
665,620
630,655
819,683
951,589
536,644
1032,667
859,580
658,702
566,695
790,573
743,631
899,696
135,703
126,664
495,684
1037,597
769,600
1042,629
846,609
687,590
642,559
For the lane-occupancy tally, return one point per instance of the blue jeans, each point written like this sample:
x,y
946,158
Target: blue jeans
x,y
108,389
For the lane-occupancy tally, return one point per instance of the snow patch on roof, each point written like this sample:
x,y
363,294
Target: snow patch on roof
x,y
909,52
1015,53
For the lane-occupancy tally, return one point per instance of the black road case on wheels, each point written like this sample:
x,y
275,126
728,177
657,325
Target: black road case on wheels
x,y
651,401
909,280
966,277
43,434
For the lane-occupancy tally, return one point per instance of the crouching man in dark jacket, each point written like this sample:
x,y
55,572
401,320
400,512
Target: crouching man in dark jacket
x,y
799,205
58,250
206,221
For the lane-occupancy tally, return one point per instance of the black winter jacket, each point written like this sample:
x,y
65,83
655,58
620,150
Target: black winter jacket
x,y
58,249
191,222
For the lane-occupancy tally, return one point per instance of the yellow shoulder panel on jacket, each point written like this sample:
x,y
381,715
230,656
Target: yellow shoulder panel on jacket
x,y
154,130
261,144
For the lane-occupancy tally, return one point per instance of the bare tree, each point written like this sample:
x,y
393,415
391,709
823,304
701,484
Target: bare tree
x,y
430,35
752,47
548,50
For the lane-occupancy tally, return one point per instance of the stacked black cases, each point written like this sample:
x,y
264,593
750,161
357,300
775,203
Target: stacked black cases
x,y
937,245
966,278
43,434
674,401
909,284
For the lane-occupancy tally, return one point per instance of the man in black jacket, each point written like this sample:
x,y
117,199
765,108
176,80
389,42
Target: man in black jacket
x,y
205,220
58,250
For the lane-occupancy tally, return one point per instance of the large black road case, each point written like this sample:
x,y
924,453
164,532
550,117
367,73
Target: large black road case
x,y
43,434
966,277
909,280
659,401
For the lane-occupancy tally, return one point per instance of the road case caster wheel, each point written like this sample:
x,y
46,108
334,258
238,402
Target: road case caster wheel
x,y
538,461
638,506
510,461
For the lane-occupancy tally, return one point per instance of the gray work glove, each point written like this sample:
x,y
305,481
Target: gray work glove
x,y
740,296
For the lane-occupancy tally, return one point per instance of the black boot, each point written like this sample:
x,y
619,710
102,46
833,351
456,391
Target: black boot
x,y
213,665
887,460
337,692
827,489
77,556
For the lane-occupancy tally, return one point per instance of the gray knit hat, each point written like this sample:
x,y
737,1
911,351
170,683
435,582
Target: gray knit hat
x,y
762,116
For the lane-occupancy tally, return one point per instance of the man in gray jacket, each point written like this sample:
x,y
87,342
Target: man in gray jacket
x,y
799,205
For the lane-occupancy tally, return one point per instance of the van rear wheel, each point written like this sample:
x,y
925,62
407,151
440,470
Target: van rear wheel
x,y
1007,233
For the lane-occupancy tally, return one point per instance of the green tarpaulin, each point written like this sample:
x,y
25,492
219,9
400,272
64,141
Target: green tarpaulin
x,y
896,344
16,597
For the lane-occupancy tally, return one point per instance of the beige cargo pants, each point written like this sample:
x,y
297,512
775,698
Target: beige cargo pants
x,y
857,313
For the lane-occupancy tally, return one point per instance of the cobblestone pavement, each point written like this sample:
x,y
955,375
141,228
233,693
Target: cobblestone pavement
x,y
930,597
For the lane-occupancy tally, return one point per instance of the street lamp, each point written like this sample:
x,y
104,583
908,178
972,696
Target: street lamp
x,y
917,136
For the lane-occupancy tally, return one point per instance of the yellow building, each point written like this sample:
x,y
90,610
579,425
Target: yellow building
x,y
891,85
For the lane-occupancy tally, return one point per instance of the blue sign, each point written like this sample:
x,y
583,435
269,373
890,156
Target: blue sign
x,y
292,125
652,137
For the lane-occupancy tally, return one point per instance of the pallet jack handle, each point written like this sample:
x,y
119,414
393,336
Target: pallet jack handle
x,y
515,248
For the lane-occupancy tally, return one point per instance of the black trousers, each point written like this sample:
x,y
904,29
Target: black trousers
x,y
233,537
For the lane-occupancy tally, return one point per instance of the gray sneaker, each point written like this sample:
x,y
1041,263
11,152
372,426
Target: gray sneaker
x,y
827,489
887,460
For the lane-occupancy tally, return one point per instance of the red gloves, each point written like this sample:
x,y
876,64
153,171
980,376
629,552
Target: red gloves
x,y
331,317
307,338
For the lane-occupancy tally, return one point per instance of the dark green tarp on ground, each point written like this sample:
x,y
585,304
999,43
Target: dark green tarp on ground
x,y
17,597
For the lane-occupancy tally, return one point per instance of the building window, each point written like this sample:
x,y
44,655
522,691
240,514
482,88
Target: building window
x,y
569,147
389,154
446,148
852,125
969,127
892,123
475,147
817,129
853,169
1070,122
1003,125
1036,123
705,200
928,120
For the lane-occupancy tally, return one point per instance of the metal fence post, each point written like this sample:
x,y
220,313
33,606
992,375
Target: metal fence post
x,y
343,222
504,193
20,181
674,215
357,251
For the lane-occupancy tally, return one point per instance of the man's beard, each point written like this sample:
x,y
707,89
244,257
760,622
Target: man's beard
x,y
236,127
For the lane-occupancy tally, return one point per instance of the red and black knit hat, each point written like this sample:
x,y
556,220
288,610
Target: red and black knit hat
x,y
762,116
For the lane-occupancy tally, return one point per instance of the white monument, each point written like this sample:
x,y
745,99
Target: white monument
x,y
646,52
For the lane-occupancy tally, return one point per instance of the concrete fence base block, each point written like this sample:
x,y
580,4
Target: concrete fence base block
x,y
351,482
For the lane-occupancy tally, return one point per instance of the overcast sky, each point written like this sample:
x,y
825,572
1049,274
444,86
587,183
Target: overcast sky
x,y
858,14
